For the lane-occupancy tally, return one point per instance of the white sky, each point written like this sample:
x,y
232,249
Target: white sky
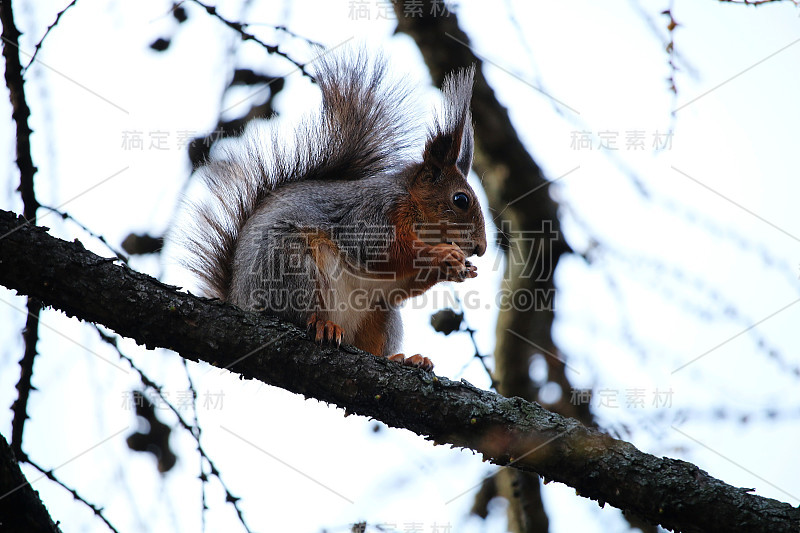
x,y
682,273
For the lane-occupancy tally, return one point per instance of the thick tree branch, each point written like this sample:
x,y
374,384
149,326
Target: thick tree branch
x,y
20,506
507,431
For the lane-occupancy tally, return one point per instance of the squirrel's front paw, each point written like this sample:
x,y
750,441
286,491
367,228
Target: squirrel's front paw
x,y
453,262
418,361
325,330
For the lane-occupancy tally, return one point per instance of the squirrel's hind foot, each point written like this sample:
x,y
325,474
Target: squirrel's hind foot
x,y
325,330
417,360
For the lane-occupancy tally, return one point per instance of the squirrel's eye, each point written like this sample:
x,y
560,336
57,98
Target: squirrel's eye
x,y
461,200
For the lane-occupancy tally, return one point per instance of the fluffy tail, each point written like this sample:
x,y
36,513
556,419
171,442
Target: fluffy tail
x,y
363,129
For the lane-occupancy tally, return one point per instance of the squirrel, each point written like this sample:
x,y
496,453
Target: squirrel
x,y
334,227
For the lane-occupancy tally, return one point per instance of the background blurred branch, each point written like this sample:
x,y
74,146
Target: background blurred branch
x,y
521,208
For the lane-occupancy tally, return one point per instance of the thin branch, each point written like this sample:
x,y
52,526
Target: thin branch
x,y
20,114
289,32
66,216
477,355
197,431
193,430
756,2
98,511
20,110
677,285
241,28
30,336
46,33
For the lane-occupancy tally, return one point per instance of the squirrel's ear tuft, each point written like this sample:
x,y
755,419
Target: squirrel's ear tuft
x,y
451,140
464,161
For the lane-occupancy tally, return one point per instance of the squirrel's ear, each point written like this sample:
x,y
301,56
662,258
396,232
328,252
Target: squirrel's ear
x,y
451,140
464,161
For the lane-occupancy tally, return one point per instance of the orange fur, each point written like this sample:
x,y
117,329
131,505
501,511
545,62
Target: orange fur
x,y
371,337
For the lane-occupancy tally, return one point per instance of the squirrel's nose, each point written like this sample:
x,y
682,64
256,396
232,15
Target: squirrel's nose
x,y
480,248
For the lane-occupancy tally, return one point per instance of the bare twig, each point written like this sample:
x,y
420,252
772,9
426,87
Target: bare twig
x,y
98,511
193,430
46,33
66,216
757,2
241,28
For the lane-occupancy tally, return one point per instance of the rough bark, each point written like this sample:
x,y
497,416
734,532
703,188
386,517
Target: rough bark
x,y
506,431
21,510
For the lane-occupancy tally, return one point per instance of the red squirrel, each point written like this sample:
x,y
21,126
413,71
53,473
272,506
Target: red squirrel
x,y
335,226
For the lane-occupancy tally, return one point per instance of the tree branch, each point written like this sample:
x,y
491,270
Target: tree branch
x,y
20,114
20,506
507,431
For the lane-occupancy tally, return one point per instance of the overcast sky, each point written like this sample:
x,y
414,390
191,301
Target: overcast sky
x,y
688,303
